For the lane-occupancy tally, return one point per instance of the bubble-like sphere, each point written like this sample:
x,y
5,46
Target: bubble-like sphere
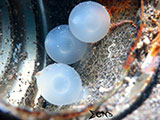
x,y
59,84
63,47
89,21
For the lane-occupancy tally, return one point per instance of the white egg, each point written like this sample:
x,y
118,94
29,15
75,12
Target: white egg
x,y
59,84
63,47
89,21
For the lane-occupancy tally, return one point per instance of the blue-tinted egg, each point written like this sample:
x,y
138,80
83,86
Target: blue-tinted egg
x,y
63,47
59,84
89,21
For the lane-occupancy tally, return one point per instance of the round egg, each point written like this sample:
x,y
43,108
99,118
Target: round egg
x,y
59,84
63,47
89,21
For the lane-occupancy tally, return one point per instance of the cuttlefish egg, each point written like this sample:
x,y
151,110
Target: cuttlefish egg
x,y
59,84
63,47
89,21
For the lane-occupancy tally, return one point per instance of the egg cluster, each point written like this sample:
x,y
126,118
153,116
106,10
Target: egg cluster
x,y
66,44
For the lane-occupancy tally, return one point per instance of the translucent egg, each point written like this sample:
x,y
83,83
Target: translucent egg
x,y
59,84
89,21
63,47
